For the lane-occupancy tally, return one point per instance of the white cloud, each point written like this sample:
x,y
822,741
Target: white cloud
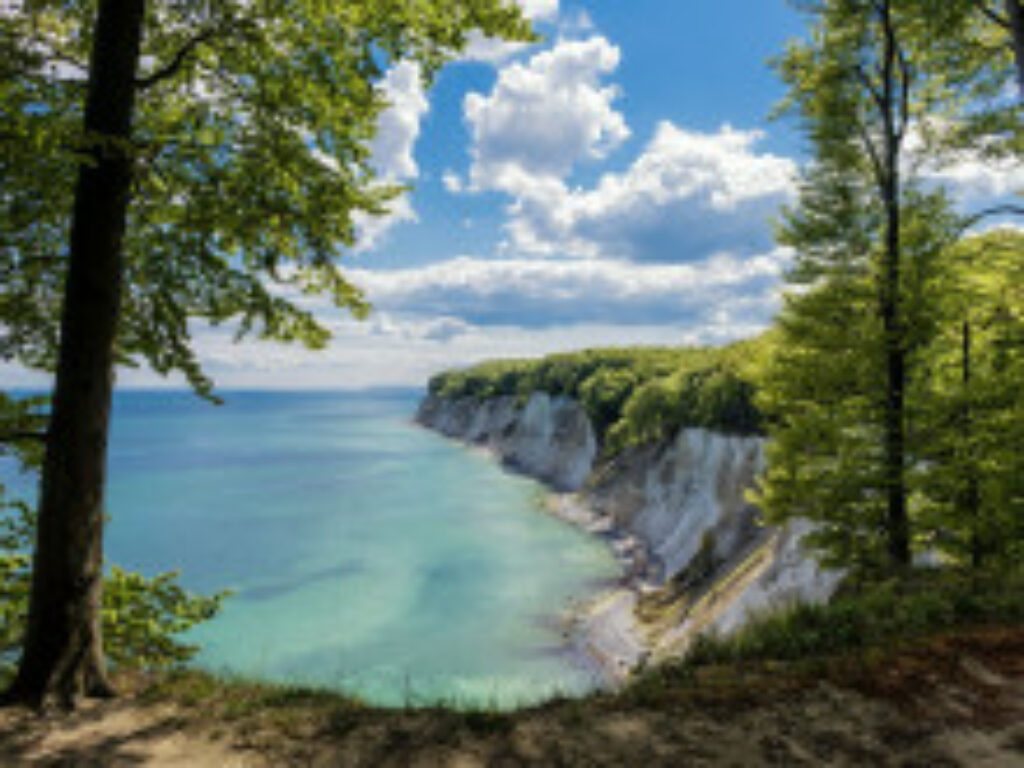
x,y
496,51
974,177
686,195
545,293
466,310
970,174
539,10
545,115
398,128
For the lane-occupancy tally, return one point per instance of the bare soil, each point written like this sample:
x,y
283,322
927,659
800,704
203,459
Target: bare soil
x,y
953,701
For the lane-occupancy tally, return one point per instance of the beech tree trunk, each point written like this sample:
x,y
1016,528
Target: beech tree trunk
x,y
891,98
1015,16
63,649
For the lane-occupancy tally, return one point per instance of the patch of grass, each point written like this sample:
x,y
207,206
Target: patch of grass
x,y
230,699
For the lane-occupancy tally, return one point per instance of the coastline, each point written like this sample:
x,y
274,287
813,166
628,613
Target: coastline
x,y
603,631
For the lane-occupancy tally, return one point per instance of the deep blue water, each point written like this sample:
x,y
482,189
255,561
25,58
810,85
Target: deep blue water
x,y
365,553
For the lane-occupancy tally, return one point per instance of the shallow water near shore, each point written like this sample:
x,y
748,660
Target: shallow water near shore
x,y
365,553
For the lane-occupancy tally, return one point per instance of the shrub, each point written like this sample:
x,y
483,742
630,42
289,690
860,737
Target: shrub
x,y
141,616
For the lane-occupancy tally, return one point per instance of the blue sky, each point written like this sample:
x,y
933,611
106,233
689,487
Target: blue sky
x,y
614,184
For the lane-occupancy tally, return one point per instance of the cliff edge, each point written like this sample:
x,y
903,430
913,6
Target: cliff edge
x,y
696,556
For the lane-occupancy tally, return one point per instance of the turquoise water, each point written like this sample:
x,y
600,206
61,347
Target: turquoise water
x,y
366,553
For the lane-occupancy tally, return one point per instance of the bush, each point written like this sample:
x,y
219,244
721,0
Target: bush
x,y
141,616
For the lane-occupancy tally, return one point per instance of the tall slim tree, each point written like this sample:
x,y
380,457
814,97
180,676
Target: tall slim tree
x,y
839,386
208,145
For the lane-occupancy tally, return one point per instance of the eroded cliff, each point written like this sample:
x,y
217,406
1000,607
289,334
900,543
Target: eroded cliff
x,y
693,545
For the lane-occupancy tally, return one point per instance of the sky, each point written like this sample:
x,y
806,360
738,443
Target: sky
x,y
614,184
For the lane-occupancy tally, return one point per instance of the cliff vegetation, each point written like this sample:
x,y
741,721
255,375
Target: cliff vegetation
x,y
632,395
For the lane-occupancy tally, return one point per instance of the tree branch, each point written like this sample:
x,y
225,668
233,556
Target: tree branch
x,y
177,62
870,87
906,78
21,436
997,210
872,150
992,15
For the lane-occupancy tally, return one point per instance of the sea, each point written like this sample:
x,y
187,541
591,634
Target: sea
x,y
364,553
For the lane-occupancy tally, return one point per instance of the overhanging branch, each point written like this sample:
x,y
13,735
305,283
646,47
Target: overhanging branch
x,y
177,62
996,210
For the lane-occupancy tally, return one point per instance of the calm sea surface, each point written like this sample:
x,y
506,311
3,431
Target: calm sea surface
x,y
365,553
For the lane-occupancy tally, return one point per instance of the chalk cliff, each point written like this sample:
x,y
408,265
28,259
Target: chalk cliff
x,y
678,509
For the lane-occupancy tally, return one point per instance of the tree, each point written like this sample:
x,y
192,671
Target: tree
x,y
971,478
974,50
204,148
865,238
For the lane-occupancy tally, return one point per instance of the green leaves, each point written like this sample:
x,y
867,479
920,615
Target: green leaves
x,y
632,396
252,155
142,617
882,398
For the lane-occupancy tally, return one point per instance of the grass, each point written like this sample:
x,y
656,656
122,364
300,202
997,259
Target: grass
x,y
859,630
862,625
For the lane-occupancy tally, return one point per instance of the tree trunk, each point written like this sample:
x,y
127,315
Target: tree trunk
x,y
63,650
1015,16
898,525
970,502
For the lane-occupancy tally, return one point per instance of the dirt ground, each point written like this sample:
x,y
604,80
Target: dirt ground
x,y
956,702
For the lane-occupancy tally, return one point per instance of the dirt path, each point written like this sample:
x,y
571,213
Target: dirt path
x,y
928,709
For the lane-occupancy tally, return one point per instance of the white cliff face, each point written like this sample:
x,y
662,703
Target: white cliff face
x,y
684,497
790,576
684,502
549,438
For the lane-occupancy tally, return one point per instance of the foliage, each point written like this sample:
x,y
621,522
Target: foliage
x,y
868,242
252,161
632,396
970,483
970,46
141,617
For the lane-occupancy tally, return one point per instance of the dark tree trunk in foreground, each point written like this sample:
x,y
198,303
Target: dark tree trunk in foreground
x,y
892,101
1015,17
63,650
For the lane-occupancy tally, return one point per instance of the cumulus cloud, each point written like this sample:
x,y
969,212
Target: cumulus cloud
x,y
496,51
687,194
398,128
717,292
974,177
545,115
539,10
971,176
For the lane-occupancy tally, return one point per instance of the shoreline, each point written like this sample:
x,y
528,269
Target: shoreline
x,y
602,631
